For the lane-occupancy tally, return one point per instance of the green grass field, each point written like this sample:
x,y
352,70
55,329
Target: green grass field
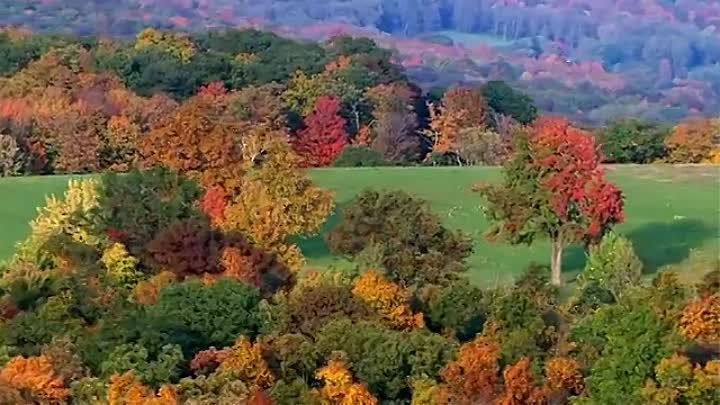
x,y
673,214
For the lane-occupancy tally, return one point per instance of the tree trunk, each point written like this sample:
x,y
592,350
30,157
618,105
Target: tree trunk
x,y
556,262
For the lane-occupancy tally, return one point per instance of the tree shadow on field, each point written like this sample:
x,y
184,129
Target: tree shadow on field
x,y
658,244
315,246
662,243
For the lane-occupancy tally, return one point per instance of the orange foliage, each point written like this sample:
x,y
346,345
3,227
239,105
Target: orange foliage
x,y
700,320
461,108
339,388
693,141
563,377
127,390
363,137
390,300
198,138
147,292
245,361
474,376
339,64
520,388
36,377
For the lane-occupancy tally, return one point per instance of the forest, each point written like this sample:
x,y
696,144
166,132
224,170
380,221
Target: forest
x,y
171,273
593,61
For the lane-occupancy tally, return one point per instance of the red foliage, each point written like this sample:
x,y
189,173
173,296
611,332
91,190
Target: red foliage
x,y
324,137
213,204
473,377
570,162
213,90
207,361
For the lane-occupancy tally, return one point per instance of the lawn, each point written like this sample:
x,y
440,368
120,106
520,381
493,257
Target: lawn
x,y
673,214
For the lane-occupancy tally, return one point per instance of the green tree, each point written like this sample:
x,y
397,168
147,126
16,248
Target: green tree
x,y
505,100
411,242
613,265
633,141
196,316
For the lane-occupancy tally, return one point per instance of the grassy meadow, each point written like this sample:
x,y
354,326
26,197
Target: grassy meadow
x,y
672,214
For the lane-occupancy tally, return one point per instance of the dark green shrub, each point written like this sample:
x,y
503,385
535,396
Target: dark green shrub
x,y
360,156
411,241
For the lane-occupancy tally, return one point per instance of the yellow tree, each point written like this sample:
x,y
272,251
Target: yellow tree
x,y
388,299
339,388
127,390
244,360
178,45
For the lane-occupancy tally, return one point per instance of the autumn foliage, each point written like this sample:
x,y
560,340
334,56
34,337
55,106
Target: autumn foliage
x,y
700,320
694,141
390,300
339,387
35,377
474,376
323,137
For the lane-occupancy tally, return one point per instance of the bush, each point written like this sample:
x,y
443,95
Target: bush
x,y
10,158
613,265
414,246
360,156
632,141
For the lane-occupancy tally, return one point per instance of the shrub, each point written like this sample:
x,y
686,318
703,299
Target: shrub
x,y
613,265
415,247
360,156
632,141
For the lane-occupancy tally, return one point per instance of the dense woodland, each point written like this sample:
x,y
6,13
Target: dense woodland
x,y
592,60
173,277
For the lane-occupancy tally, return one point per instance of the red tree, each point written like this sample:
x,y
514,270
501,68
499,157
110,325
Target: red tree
x,y
324,136
554,187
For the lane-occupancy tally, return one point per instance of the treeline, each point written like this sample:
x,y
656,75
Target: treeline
x,y
70,106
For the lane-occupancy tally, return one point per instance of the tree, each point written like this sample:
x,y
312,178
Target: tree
x,y
553,186
339,387
324,137
474,376
678,382
409,240
700,320
613,265
520,388
132,208
456,310
127,390
461,108
632,141
195,316
36,378
390,300
505,100
693,141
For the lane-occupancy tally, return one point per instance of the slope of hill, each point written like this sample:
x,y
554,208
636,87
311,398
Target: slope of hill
x,y
593,60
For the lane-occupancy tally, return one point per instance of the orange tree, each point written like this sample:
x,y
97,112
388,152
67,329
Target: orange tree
x,y
693,141
553,186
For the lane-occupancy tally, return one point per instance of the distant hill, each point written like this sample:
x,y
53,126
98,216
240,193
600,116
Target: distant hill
x,y
657,59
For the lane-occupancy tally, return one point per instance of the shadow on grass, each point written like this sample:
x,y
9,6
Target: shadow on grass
x,y
658,244
661,243
315,247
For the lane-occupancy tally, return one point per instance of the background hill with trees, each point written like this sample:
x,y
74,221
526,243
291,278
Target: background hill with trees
x,y
589,60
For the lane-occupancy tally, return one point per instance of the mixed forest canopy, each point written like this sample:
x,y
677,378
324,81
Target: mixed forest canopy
x,y
172,275
590,60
